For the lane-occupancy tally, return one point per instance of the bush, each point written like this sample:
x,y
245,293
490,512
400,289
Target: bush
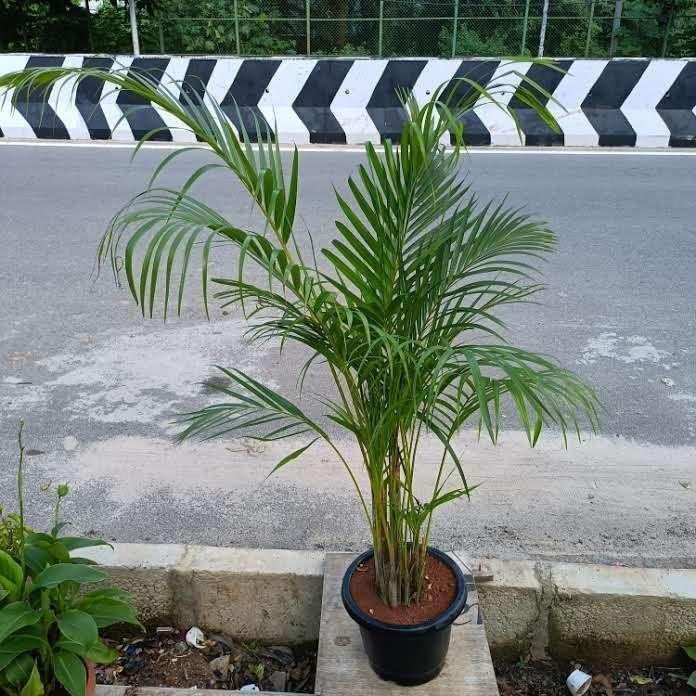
x,y
49,627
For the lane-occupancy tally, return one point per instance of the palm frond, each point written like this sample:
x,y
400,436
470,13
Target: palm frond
x,y
417,272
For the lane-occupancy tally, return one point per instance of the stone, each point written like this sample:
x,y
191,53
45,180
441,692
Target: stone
x,y
282,653
70,443
221,665
278,680
180,648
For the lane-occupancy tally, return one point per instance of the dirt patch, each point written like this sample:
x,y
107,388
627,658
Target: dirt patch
x,y
438,594
165,659
541,678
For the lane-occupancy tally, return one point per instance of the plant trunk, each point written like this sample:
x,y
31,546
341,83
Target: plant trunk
x,y
91,684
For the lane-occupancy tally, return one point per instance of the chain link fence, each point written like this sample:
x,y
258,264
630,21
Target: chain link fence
x,y
383,28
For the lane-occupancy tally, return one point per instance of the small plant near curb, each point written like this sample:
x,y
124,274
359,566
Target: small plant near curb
x,y
690,650
49,625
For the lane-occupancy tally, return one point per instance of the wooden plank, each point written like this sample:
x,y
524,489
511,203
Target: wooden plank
x,y
343,669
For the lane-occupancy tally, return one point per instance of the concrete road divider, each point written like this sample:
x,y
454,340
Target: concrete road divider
x,y
619,102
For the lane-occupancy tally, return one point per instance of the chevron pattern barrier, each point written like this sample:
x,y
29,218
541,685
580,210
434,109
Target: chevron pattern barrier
x,y
620,102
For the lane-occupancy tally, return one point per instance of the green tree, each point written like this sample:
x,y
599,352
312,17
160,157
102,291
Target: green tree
x,y
42,25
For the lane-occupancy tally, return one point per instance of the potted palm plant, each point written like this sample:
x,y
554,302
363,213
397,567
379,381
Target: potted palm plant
x,y
403,312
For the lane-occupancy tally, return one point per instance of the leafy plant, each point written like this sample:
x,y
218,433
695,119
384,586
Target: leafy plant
x,y
403,314
690,650
10,532
49,627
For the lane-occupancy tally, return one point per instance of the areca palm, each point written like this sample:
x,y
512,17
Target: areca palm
x,y
404,311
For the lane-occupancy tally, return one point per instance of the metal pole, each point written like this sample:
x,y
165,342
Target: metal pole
x,y
524,27
380,36
615,26
90,42
134,27
308,22
588,41
160,31
454,27
668,28
542,33
236,28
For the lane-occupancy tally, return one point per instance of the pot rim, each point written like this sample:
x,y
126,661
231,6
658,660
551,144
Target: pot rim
x,y
443,620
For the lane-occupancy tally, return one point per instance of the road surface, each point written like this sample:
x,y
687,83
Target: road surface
x,y
98,386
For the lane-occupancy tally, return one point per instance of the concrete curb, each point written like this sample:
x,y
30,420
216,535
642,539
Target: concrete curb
x,y
633,102
634,615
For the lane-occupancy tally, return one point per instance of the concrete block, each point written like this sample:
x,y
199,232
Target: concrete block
x,y
511,605
635,616
272,595
144,571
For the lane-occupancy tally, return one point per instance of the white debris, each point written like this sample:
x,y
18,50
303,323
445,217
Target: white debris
x,y
195,637
667,381
70,443
250,687
578,682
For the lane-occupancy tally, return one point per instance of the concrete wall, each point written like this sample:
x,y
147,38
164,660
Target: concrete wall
x,y
620,102
272,595
602,613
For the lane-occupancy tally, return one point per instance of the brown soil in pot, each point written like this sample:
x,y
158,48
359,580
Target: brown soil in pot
x,y
439,591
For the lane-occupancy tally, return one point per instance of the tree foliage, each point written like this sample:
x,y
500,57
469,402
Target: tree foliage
x,y
277,27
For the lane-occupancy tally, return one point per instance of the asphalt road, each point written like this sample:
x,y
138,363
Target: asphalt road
x,y
97,385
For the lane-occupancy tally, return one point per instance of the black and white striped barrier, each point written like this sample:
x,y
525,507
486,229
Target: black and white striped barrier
x,y
620,102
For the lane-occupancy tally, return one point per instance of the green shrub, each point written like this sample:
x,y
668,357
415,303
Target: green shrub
x,y
49,627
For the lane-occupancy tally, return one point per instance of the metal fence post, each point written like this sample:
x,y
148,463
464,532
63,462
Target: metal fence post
x,y
88,15
524,27
380,35
588,41
308,22
236,29
615,26
454,28
542,33
160,33
134,27
668,27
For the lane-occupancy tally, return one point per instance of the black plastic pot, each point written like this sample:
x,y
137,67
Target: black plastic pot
x,y
411,654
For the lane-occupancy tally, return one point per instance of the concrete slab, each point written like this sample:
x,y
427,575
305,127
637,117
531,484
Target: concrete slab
x,y
343,668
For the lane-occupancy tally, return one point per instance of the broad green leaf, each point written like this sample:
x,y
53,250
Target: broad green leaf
x,y
40,538
107,611
690,650
15,616
16,644
97,652
74,543
692,680
58,553
34,685
10,569
70,672
78,627
109,592
62,572
19,670
36,558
